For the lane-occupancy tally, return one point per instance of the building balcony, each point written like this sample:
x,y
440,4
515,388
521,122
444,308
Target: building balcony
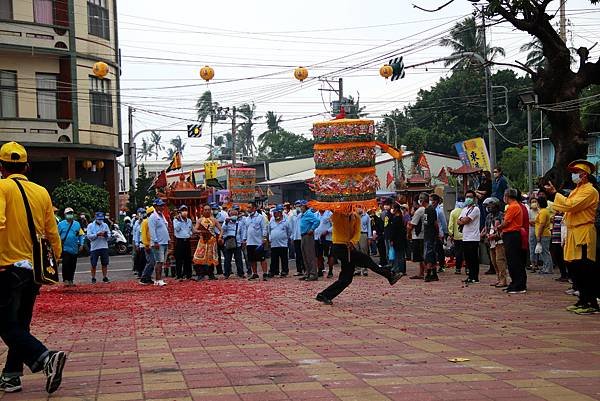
x,y
20,34
36,130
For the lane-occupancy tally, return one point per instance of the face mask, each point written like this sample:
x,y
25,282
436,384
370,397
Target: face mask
x,y
99,222
575,178
184,214
234,218
460,205
534,206
468,201
298,210
215,212
69,216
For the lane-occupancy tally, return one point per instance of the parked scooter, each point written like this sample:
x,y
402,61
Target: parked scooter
x,y
117,243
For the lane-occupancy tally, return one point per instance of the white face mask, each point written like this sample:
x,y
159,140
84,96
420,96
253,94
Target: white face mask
x,y
575,178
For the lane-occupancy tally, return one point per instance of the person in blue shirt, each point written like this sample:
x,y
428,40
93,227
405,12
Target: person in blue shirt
x,y
139,255
279,235
159,239
183,230
98,234
71,235
294,221
436,202
323,236
255,239
308,224
219,215
499,185
233,232
366,235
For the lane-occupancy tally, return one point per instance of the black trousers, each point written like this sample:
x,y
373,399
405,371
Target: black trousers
x,y
69,265
279,254
17,297
439,252
585,278
383,259
220,252
556,250
183,258
514,260
349,260
239,263
459,253
139,261
471,252
298,252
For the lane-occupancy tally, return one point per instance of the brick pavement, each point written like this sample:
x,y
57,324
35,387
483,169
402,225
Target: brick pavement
x,y
235,340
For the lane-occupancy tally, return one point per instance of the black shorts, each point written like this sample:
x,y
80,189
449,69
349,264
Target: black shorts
x,y
417,250
323,248
101,254
254,255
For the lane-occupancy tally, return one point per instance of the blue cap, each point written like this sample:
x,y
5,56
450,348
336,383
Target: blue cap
x,y
298,202
278,208
214,205
183,207
158,202
236,207
141,210
99,215
303,203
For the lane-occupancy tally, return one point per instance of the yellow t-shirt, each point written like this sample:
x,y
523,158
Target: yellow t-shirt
x,y
543,220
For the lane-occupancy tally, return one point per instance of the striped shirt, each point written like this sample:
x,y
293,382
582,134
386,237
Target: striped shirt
x,y
556,222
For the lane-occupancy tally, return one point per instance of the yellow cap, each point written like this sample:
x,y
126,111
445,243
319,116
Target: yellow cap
x,y
12,152
582,165
149,210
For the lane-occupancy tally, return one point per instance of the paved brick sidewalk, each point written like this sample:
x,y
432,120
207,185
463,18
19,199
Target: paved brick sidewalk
x,y
235,340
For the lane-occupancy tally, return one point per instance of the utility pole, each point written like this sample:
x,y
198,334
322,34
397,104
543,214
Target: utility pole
x,y
233,137
529,151
488,95
341,91
131,149
563,22
211,132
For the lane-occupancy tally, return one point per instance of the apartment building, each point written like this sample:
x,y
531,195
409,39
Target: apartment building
x,y
50,101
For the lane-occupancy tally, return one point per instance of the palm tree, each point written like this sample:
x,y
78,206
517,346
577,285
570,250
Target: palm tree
x,y
155,140
465,36
535,53
146,150
245,132
204,106
267,138
178,144
353,109
170,154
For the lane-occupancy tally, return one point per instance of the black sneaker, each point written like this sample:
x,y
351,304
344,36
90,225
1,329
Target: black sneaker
x,y
253,277
330,274
53,369
94,280
457,271
105,280
10,384
146,281
395,277
266,277
323,299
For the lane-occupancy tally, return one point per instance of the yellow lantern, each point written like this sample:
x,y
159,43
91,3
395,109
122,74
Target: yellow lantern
x,y
87,164
207,73
100,165
386,71
301,73
100,69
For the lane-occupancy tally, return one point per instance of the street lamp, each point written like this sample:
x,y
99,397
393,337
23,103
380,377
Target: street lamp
x,y
529,99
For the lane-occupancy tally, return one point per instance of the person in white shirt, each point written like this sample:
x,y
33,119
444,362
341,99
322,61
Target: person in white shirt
x,y
469,221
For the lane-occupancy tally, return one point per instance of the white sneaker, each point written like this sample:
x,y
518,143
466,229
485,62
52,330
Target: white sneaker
x,y
570,291
160,283
576,293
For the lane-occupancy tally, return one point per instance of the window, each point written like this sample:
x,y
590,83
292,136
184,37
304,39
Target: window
x,y
592,140
6,9
8,93
46,96
100,101
43,11
98,20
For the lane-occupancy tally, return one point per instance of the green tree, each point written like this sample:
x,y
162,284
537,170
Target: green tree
x,y
415,139
147,150
353,109
514,165
155,140
177,144
465,36
204,107
245,133
287,144
82,197
267,138
142,196
591,110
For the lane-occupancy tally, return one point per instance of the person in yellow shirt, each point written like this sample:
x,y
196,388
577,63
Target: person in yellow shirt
x,y
146,277
543,235
18,290
456,235
345,238
580,244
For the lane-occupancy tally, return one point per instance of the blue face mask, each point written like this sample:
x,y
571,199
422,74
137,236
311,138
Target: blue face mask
x,y
468,201
575,178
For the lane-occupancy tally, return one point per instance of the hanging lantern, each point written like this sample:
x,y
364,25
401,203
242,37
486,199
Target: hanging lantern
x,y
207,73
87,164
301,73
386,71
100,165
100,69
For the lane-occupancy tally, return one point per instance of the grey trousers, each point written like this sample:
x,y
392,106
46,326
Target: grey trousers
x,y
309,256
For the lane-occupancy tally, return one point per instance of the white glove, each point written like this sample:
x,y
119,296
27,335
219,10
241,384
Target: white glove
x,y
538,248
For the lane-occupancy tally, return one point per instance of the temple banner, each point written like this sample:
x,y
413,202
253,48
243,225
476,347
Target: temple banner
x,y
473,152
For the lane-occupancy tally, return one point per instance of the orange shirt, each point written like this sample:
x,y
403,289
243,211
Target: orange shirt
x,y
513,217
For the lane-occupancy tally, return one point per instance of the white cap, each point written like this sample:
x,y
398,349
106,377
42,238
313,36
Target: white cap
x,y
68,210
